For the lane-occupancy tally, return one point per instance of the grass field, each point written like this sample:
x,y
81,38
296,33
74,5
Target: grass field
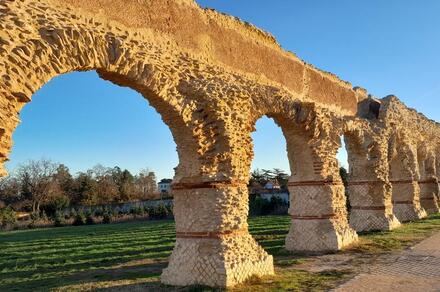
x,y
133,255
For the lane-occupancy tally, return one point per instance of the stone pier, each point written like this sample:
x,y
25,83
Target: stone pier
x,y
317,194
213,245
368,186
406,201
429,191
428,183
319,217
404,177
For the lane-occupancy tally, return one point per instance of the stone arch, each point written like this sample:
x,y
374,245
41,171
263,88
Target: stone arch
x,y
404,177
317,199
59,51
369,189
213,246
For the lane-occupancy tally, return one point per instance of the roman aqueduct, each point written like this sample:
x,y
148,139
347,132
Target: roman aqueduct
x,y
211,77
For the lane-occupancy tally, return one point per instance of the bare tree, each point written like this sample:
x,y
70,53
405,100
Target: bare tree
x,y
146,184
106,188
99,170
37,181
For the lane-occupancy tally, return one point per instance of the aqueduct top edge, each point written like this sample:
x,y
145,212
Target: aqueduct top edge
x,y
225,39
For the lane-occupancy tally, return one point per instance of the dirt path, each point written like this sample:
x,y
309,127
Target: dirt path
x,y
417,269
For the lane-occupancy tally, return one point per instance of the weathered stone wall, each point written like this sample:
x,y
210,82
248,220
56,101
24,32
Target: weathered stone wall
x,y
227,40
405,163
211,77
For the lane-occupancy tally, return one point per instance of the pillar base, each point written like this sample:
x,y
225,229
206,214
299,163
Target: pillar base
x,y
431,205
406,201
216,262
407,211
372,220
428,199
319,217
371,205
319,236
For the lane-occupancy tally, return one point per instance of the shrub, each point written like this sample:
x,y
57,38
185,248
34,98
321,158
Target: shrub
x,y
108,218
170,211
344,176
274,206
256,205
150,211
44,216
57,203
7,218
117,211
159,212
89,219
99,212
72,213
59,219
80,218
277,206
35,216
137,211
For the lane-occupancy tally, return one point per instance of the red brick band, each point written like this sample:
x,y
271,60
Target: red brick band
x,y
314,183
402,181
427,199
207,185
428,182
365,182
403,202
211,234
326,216
373,208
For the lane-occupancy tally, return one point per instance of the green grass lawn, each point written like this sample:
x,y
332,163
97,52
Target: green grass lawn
x,y
99,256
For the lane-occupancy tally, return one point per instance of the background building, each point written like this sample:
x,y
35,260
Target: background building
x,y
164,186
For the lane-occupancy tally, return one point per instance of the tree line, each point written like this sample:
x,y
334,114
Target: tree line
x,y
263,176
44,185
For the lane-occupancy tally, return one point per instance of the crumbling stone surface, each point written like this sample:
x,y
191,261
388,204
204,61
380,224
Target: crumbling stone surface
x,y
429,186
369,189
211,77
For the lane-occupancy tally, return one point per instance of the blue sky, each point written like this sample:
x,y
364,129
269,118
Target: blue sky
x,y
388,47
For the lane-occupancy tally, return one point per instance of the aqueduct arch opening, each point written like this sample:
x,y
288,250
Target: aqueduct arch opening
x,y
317,194
215,249
76,110
202,247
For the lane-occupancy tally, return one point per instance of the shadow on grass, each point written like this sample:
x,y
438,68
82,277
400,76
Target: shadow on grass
x,y
137,272
135,266
83,255
400,238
